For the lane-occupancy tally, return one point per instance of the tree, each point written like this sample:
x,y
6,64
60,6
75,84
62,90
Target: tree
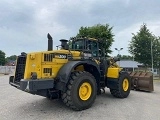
x,y
2,58
11,58
141,44
126,57
101,32
156,53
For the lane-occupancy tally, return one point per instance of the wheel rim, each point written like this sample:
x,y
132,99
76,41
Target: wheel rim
x,y
85,91
125,84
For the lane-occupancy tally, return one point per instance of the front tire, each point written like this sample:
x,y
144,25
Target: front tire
x,y
81,91
124,86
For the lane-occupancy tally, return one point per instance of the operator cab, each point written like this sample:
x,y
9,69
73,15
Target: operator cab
x,y
86,45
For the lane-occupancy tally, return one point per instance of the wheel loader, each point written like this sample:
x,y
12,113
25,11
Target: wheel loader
x,y
76,73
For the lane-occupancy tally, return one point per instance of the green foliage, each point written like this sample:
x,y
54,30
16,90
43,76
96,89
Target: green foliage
x,y
126,57
101,32
2,58
156,52
11,58
140,46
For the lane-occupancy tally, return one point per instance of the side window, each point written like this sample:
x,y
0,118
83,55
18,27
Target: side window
x,y
89,45
94,49
78,45
92,46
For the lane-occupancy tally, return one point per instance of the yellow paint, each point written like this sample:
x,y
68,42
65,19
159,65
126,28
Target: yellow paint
x,y
80,68
32,56
85,91
35,63
113,72
92,39
125,84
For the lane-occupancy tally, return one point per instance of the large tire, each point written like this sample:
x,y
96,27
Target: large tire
x,y
124,86
81,91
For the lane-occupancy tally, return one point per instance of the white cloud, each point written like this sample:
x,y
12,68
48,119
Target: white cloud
x,y
24,24
154,27
123,38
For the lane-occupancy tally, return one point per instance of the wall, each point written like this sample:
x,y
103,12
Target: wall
x,y
7,69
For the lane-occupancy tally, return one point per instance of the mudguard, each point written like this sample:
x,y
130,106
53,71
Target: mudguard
x,y
65,72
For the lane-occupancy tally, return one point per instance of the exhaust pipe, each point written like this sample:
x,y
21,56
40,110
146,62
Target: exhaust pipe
x,y
64,44
50,42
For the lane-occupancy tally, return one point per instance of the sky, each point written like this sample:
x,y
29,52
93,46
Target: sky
x,y
24,24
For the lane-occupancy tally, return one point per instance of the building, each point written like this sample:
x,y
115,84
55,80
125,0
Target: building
x,y
11,63
129,65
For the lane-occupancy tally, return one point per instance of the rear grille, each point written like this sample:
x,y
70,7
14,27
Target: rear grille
x,y
48,57
20,69
47,70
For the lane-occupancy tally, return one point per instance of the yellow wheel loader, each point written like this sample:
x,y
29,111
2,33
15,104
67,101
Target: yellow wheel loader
x,y
76,72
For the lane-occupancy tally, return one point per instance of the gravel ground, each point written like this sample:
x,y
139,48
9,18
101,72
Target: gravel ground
x,y
1,74
18,105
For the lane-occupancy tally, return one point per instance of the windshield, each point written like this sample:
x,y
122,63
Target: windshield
x,y
85,45
77,45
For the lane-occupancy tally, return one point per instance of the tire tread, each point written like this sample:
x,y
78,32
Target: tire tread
x,y
66,96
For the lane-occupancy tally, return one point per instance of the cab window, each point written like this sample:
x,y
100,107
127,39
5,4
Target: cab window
x,y
77,45
93,47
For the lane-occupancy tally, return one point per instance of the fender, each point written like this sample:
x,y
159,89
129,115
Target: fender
x,y
65,72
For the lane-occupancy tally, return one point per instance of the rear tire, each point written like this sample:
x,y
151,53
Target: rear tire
x,y
124,86
81,91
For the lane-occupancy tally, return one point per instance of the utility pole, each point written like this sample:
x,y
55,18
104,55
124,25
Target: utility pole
x,y
119,53
133,61
152,54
